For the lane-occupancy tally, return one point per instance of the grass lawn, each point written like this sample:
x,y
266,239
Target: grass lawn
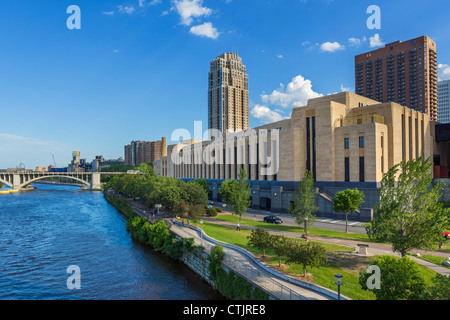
x,y
340,260
434,259
297,229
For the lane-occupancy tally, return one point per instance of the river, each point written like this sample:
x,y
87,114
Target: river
x,y
43,232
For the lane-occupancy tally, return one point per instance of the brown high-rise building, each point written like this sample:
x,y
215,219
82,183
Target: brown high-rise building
x,y
144,151
402,72
228,99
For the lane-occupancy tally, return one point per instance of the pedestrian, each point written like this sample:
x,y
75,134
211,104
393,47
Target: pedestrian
x,y
238,227
182,221
189,222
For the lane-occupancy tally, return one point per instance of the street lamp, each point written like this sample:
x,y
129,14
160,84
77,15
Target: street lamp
x,y
339,281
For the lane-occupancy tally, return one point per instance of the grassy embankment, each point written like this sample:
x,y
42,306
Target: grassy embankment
x,y
340,260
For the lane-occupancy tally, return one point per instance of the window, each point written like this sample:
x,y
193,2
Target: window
x,y
347,169
361,169
346,143
361,142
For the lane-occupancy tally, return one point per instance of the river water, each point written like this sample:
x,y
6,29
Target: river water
x,y
43,232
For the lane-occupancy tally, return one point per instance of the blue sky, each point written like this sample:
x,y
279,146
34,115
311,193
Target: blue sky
x,y
137,70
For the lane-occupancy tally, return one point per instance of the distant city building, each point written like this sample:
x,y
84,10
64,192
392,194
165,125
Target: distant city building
x,y
228,96
144,151
77,164
402,72
99,163
444,101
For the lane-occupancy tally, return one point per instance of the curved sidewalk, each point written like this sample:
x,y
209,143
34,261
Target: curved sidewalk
x,y
244,264
374,248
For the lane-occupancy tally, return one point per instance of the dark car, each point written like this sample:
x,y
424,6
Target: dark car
x,y
273,219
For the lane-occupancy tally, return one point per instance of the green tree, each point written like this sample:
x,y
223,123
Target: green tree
x,y
237,194
409,214
281,245
215,259
203,183
195,194
440,290
304,205
347,201
309,254
146,168
260,239
400,279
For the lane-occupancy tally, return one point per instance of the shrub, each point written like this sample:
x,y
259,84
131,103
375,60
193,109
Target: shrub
x,y
400,279
211,212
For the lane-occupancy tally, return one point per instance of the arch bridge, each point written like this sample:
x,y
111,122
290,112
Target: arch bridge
x,y
19,180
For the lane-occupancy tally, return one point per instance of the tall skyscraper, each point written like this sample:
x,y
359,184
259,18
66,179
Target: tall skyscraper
x,y
228,100
444,101
402,72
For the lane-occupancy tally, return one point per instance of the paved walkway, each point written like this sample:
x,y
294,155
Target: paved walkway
x,y
246,267
243,264
374,248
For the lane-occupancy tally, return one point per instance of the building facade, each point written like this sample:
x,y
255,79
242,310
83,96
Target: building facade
x,y
144,151
402,72
346,140
228,97
444,101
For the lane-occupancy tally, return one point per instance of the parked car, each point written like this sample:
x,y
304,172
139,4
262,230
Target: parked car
x,y
273,219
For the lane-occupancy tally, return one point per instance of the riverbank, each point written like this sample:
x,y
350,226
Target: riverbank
x,y
277,285
159,234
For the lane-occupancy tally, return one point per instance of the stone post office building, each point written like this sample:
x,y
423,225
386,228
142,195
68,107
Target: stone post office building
x,y
346,140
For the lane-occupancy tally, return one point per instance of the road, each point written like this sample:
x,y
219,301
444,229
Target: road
x,y
323,223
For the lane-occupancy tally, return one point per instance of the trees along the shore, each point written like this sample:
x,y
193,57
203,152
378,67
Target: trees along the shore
x,y
260,239
409,214
309,254
236,193
304,204
347,201
281,245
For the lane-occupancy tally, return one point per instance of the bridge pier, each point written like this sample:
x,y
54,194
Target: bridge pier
x,y
96,184
16,182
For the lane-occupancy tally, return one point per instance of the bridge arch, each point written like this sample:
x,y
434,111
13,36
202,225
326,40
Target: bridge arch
x,y
58,176
6,183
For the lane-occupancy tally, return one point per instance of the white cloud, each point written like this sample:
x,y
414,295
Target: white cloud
x,y
443,71
356,42
375,41
265,115
143,3
280,56
108,13
205,30
127,9
190,9
345,89
331,46
295,94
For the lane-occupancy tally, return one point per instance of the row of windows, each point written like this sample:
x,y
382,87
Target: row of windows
x,y
347,143
361,169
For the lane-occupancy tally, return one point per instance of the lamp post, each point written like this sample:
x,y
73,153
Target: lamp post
x,y
339,281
